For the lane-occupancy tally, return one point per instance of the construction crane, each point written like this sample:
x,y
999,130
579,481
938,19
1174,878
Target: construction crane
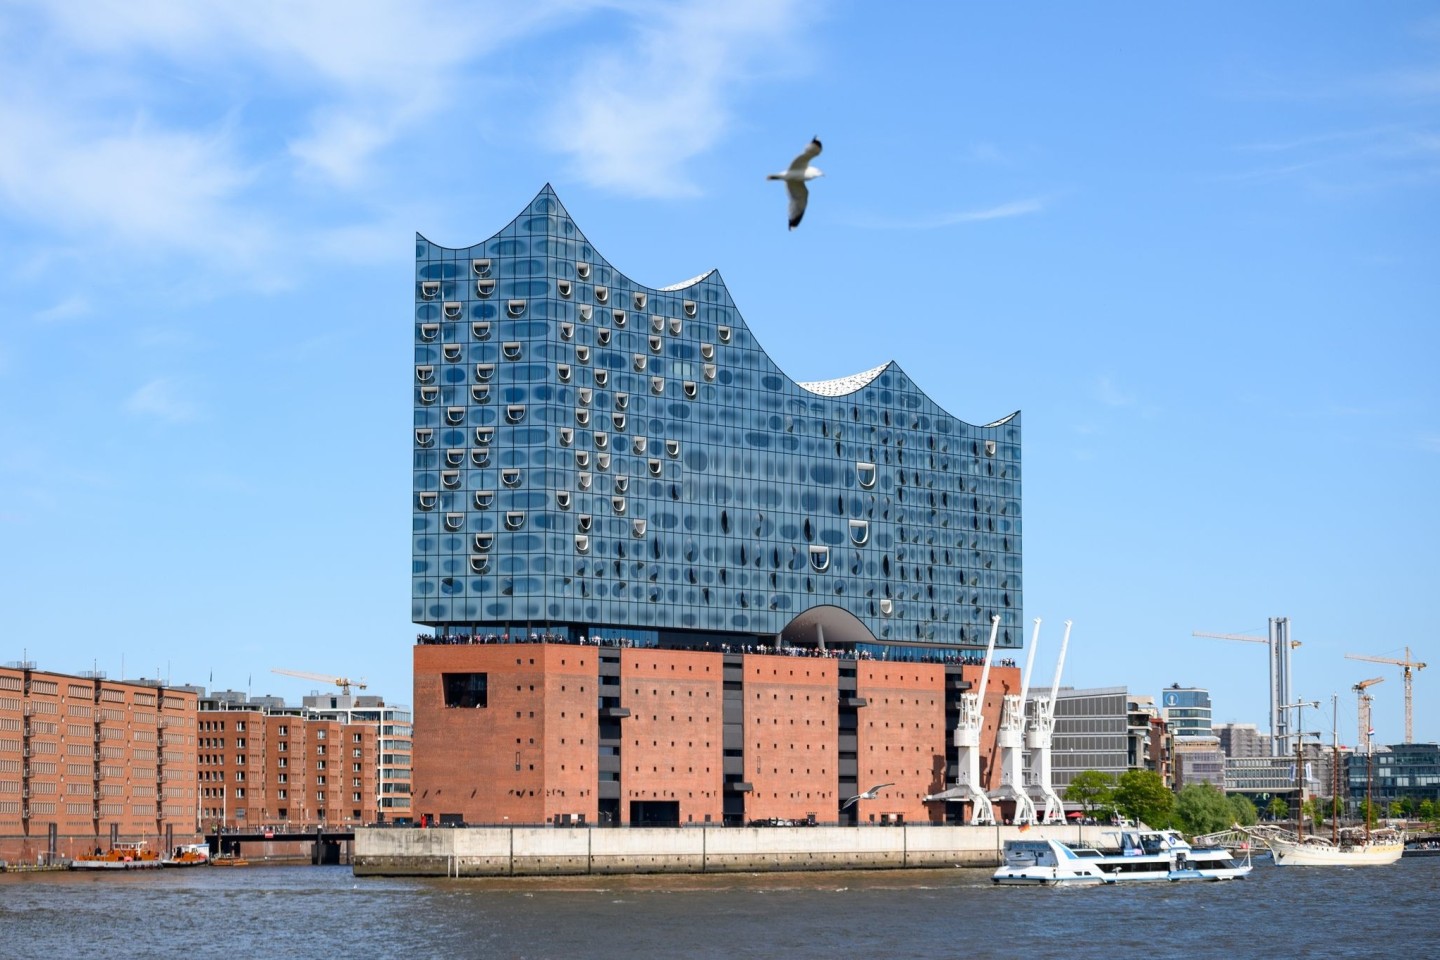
x,y
1280,646
1407,664
344,683
1362,703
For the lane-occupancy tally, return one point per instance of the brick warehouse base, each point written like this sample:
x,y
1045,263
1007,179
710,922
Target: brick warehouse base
x,y
551,851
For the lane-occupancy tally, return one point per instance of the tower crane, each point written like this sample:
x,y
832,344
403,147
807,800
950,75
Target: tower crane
x,y
1280,646
1407,664
1362,703
344,683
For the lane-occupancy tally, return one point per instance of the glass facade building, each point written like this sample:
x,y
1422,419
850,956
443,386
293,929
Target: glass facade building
x,y
594,458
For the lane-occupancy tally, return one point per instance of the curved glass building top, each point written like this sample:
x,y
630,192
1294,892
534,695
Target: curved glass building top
x,y
591,454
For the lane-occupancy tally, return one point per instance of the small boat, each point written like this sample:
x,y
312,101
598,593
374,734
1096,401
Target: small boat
x,y
188,855
229,860
1138,855
120,856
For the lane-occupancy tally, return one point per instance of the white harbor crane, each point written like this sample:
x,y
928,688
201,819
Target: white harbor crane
x,y
967,744
1011,741
1039,783
1407,663
344,683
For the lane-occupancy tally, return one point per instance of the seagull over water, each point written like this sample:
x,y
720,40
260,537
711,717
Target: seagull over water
x,y
795,177
867,795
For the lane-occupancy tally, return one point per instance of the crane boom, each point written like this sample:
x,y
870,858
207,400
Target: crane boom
x,y
1280,646
344,683
1406,665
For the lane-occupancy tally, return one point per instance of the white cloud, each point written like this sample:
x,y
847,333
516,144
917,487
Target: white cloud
x,y
1110,394
164,398
67,309
1003,211
1430,442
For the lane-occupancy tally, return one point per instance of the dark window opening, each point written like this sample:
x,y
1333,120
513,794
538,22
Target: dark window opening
x,y
466,690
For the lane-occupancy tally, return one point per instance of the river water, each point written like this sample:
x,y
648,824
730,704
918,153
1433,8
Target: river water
x,y
317,912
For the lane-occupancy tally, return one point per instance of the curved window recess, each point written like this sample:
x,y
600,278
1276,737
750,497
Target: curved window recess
x,y
866,473
511,350
656,468
483,288
657,385
430,289
622,484
429,331
454,521
516,308
586,312
640,361
656,345
483,435
515,412
562,370
562,499
455,457
602,377
582,543
618,419
676,326
479,563
602,440
583,522
514,520
582,458
452,352
887,607
452,309
582,353
511,477
637,528
619,317
724,333
657,323
428,499
567,331
484,371
639,300
859,532
564,288
602,336
567,436
689,308
455,415
819,558
586,395
690,389
582,417
707,351
480,456
622,401
450,478
582,270
424,436
483,499
479,393
480,266
709,371
601,294
602,460
672,447
583,480
483,541
425,373
480,329
989,448
429,395
618,505
640,444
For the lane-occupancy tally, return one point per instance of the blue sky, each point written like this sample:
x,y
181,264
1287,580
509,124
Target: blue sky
x,y
1195,245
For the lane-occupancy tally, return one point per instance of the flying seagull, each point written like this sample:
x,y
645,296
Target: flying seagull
x,y
867,795
795,177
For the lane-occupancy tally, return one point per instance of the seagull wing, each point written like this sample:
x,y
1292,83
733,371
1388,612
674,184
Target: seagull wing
x,y
880,786
799,196
849,802
799,164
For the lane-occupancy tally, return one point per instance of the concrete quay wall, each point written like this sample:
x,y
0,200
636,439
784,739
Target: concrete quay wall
x,y
570,851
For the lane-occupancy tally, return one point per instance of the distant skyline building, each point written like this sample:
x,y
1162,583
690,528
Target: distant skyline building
x,y
1242,740
1186,710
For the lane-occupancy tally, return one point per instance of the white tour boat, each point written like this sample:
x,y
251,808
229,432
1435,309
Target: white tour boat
x,y
1138,855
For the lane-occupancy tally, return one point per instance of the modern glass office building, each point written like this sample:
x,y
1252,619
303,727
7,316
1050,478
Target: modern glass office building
x,y
594,458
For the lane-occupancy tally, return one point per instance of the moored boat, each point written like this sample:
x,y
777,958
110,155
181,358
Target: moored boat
x,y
229,860
1377,850
120,856
188,855
1138,855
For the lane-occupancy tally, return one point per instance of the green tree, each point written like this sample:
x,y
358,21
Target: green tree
x,y
1242,808
1142,796
1426,811
1203,808
1091,789
1279,808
